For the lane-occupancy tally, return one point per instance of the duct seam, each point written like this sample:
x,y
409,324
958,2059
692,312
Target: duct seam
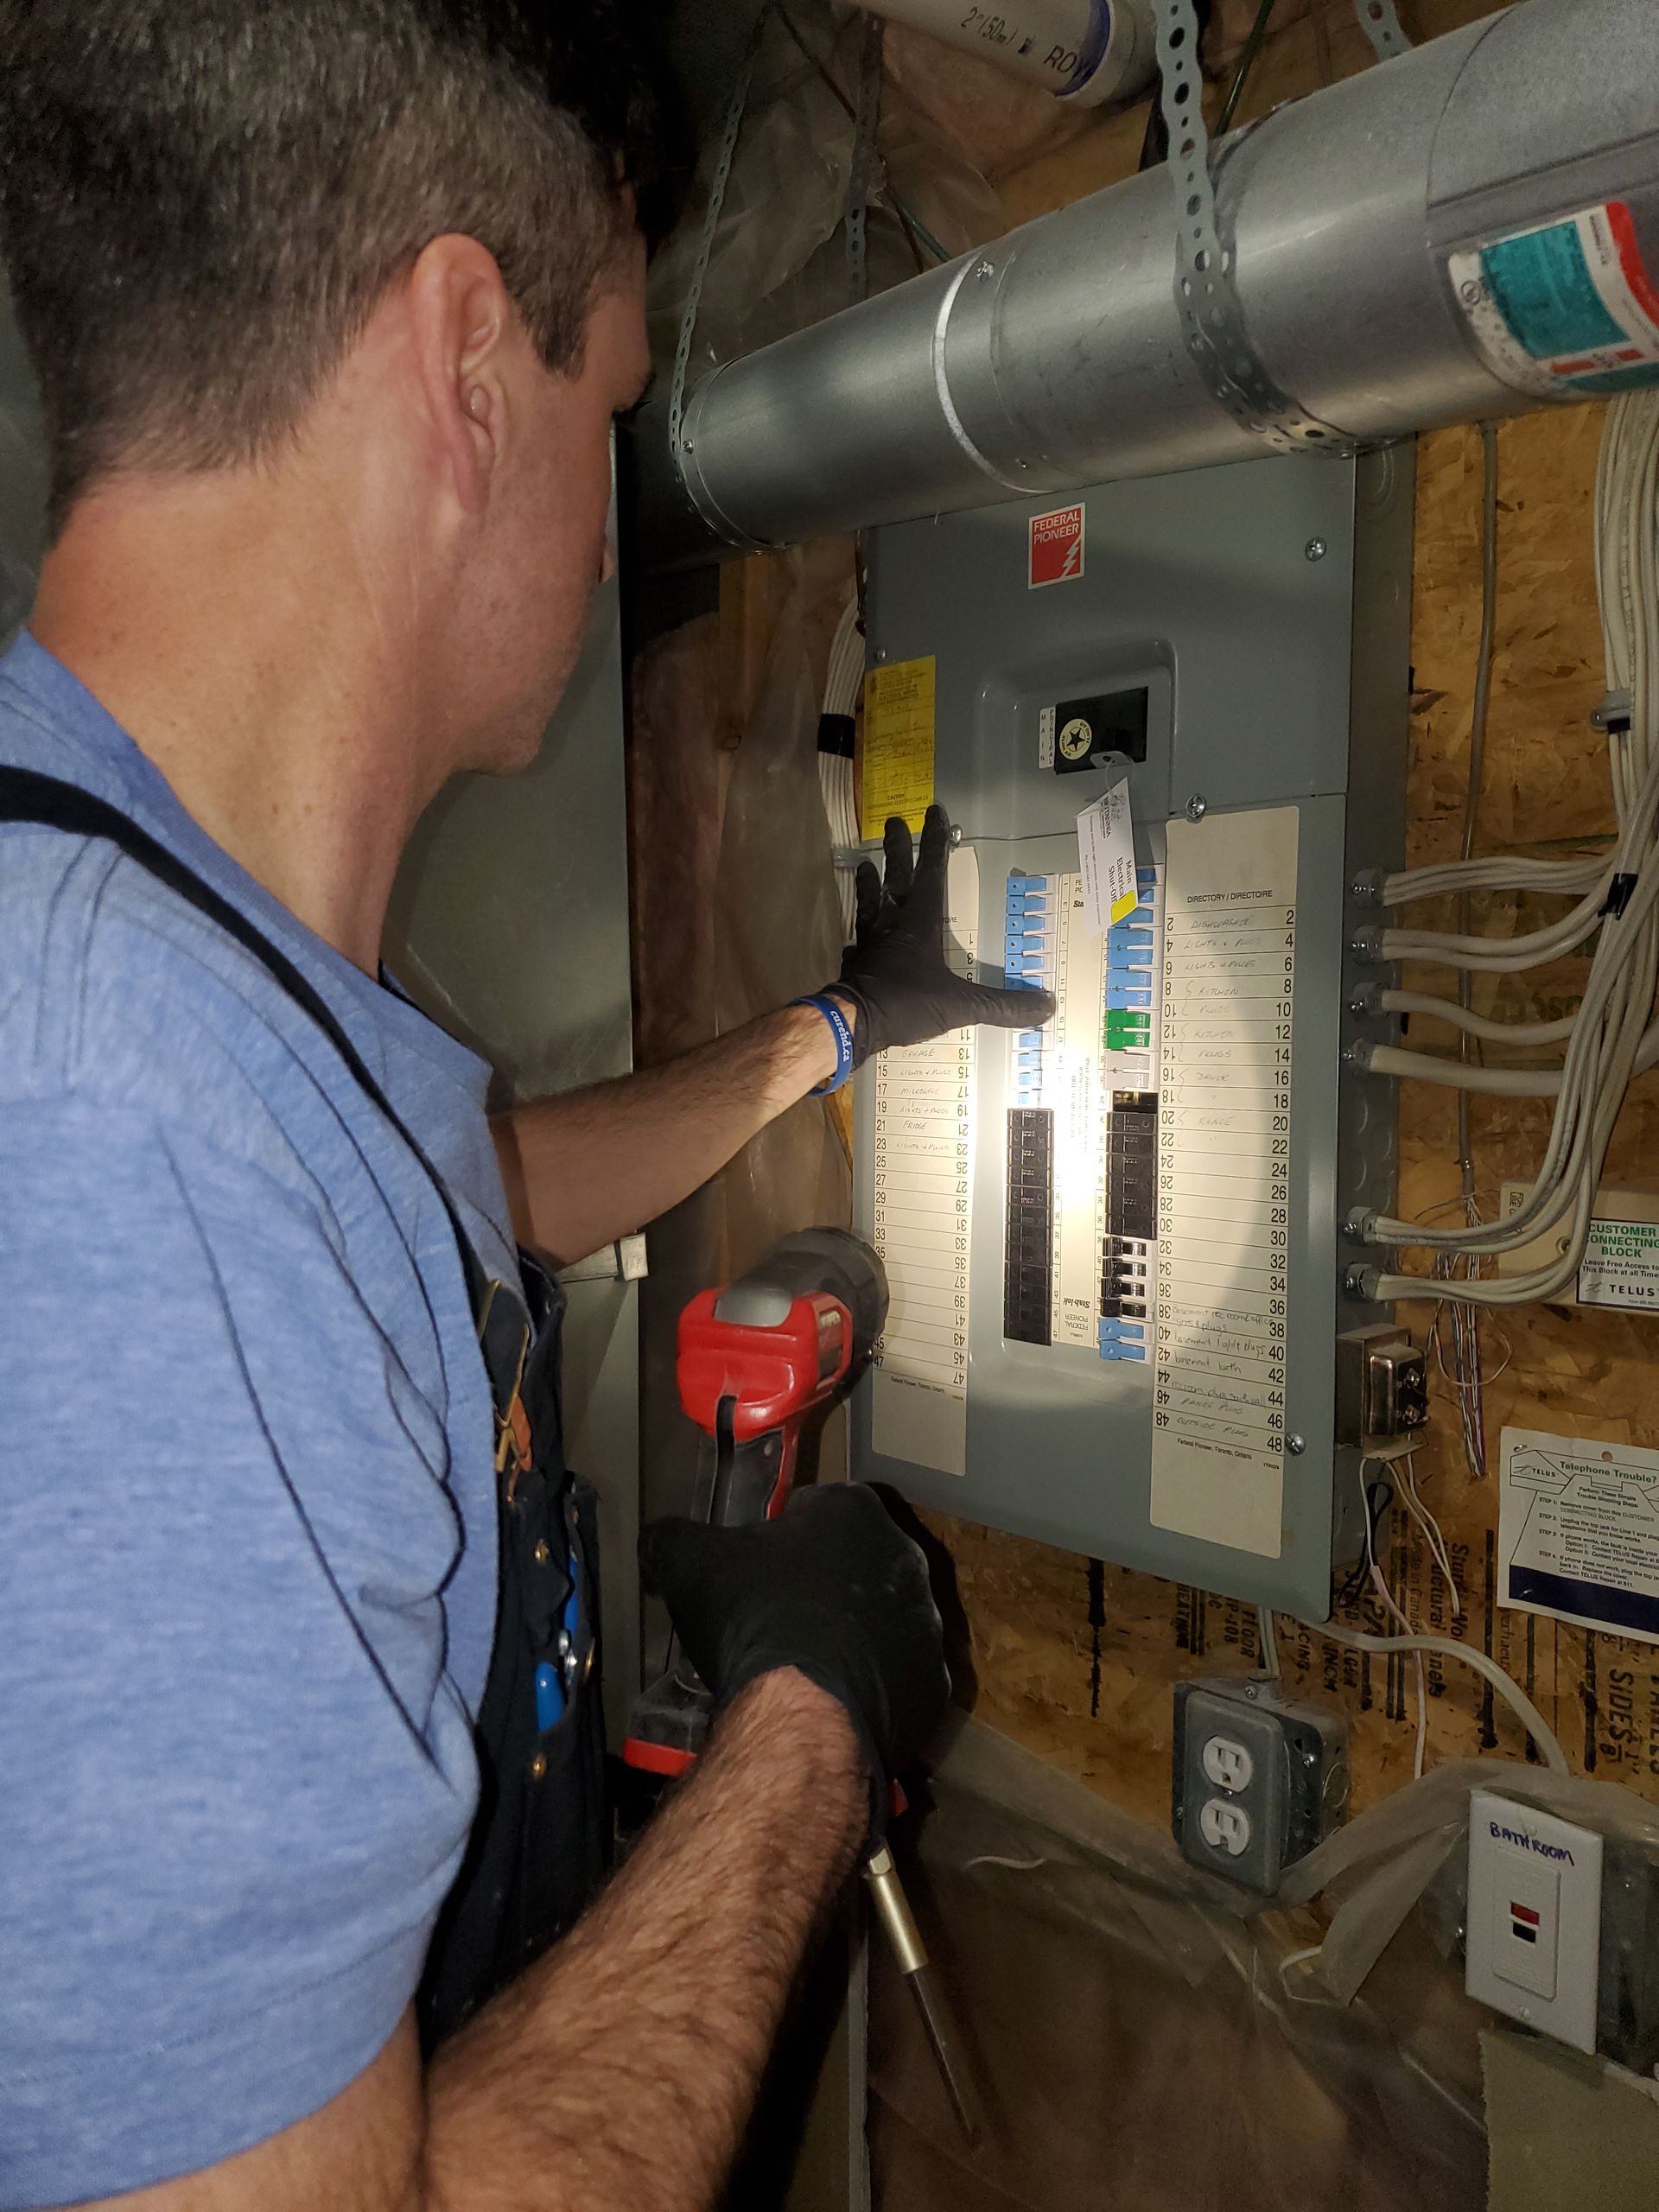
x,y
942,384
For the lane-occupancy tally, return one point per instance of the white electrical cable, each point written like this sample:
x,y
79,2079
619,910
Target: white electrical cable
x,y
1476,1025
1501,872
1379,1584
1507,954
1613,1036
1507,1688
1404,1474
1505,1083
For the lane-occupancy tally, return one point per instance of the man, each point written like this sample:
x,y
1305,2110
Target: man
x,y
332,303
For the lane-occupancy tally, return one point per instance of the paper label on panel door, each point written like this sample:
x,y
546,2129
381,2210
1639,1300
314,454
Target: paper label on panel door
x,y
1222,1309
922,1220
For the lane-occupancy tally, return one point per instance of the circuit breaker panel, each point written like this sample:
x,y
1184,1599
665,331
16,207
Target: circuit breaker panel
x,y
1115,1240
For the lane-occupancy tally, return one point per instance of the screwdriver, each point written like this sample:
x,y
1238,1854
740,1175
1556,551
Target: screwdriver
x,y
892,1910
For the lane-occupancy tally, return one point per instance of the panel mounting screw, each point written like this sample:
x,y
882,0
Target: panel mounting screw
x,y
1315,549
1196,807
956,834
881,653
1295,1445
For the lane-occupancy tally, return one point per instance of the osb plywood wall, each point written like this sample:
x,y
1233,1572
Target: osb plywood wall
x,y
1076,1659
1078,1662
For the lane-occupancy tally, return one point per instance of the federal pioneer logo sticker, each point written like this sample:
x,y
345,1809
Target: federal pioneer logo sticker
x,y
1055,546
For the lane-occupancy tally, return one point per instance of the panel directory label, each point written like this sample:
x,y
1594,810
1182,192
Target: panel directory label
x,y
1224,1179
922,1218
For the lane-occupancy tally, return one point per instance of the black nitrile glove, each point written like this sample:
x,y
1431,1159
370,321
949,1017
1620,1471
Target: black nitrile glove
x,y
832,1587
894,975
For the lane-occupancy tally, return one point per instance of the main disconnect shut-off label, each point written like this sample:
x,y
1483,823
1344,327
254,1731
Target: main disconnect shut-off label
x,y
1224,1178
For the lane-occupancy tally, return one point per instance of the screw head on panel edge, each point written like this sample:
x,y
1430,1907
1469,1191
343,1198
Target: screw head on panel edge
x,y
1295,1445
1196,807
1315,549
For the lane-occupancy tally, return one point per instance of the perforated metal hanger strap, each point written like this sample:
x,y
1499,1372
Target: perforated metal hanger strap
x,y
1383,27
736,108
1206,298
863,168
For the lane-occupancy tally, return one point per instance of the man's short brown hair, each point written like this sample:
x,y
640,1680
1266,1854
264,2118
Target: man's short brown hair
x,y
202,201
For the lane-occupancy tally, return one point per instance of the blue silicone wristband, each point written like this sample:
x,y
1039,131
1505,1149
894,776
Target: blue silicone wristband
x,y
842,1030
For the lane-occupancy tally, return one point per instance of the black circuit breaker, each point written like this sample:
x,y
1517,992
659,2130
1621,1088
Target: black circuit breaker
x,y
1028,1265
1131,1206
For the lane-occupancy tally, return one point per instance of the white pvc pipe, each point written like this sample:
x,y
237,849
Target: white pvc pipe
x,y
1082,51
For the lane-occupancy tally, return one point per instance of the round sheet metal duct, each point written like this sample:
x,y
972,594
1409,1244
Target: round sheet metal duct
x,y
1054,358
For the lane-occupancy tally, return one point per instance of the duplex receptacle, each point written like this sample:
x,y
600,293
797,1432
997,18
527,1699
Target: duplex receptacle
x,y
1258,1778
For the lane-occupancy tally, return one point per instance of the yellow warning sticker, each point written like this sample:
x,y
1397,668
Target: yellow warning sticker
x,y
898,743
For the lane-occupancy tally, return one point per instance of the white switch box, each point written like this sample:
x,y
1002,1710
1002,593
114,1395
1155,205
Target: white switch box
x,y
1533,1931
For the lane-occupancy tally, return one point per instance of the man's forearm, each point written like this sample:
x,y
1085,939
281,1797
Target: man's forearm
x,y
590,1166
620,2071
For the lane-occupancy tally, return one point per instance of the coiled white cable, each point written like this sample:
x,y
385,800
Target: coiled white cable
x,y
1613,1036
842,676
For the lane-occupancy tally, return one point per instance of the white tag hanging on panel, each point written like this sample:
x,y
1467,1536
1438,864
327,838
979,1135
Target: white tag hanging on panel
x,y
1106,853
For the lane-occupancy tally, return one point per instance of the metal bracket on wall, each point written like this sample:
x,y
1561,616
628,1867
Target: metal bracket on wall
x,y
1206,299
1383,27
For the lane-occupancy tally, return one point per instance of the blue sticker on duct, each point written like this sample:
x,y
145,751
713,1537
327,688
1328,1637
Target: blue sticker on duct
x,y
1543,287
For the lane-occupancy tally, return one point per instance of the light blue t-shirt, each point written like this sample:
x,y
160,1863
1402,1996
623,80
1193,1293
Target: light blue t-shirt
x,y
247,1530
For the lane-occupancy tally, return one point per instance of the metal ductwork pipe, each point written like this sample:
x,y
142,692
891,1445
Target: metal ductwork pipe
x,y
1055,358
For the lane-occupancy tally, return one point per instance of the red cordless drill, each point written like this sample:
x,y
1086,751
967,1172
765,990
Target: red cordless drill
x,y
756,1359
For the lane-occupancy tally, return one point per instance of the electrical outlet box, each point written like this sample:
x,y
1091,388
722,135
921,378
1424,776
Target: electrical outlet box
x,y
1258,1778
1532,1934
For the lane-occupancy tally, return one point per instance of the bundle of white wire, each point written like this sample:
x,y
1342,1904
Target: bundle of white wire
x,y
1613,1034
842,680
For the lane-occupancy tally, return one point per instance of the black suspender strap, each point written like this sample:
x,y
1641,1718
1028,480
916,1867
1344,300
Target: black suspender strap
x,y
27,795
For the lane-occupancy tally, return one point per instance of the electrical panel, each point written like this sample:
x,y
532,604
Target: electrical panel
x,y
1115,1240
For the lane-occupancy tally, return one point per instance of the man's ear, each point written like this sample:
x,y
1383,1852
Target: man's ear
x,y
461,321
